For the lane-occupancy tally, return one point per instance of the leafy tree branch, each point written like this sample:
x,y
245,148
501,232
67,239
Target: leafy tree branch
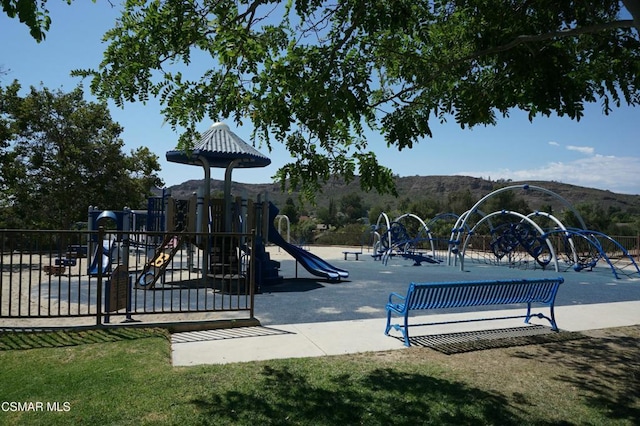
x,y
321,77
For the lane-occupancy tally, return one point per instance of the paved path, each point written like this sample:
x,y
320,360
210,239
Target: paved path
x,y
347,337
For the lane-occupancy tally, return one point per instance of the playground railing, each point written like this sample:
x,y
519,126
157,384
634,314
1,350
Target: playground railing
x,y
53,278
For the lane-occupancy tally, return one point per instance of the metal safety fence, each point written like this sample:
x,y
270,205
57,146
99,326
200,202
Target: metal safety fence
x,y
93,278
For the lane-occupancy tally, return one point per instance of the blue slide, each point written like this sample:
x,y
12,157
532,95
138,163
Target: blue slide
x,y
309,261
105,261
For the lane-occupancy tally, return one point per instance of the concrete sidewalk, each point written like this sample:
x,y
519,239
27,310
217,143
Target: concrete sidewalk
x,y
347,337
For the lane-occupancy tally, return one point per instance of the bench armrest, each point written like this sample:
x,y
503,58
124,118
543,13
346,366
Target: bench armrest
x,y
396,295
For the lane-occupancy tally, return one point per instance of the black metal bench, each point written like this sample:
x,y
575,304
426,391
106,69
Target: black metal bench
x,y
65,262
60,266
441,295
355,253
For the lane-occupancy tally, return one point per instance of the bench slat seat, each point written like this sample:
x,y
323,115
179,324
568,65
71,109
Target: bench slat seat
x,y
462,294
65,262
355,253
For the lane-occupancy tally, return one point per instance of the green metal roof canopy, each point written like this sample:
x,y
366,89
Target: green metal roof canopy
x,y
220,147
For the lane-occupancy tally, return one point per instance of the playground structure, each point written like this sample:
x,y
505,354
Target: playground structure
x,y
220,147
125,231
106,253
169,226
537,240
398,238
202,229
148,264
533,240
198,258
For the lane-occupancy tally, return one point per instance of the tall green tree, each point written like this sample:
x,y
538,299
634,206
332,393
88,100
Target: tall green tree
x,y
353,207
291,211
328,215
61,154
460,201
318,76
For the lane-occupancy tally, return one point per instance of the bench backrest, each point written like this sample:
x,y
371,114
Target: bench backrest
x,y
478,293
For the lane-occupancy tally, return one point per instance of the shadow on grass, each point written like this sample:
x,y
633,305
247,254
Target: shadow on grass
x,y
605,369
382,396
14,340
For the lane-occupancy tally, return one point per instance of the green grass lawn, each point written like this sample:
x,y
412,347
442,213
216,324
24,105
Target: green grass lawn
x,y
126,378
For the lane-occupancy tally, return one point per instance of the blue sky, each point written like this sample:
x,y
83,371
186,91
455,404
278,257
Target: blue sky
x,y
599,151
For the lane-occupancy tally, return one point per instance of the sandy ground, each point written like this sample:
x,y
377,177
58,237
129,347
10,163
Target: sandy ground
x,y
324,252
24,289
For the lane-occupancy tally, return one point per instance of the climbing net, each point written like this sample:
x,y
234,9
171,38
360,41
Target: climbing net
x,y
513,244
522,245
410,237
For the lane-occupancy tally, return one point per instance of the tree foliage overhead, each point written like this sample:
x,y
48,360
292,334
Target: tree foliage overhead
x,y
319,76
59,154
33,13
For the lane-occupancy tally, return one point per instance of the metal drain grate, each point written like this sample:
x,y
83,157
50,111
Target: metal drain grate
x,y
453,343
225,333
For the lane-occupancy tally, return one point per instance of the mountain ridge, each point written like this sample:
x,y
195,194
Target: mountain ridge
x,y
435,187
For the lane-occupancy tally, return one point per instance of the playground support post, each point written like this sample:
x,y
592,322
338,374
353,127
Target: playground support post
x,y
252,274
203,220
99,295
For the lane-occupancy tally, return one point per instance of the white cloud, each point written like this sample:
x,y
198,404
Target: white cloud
x,y
616,174
553,143
587,150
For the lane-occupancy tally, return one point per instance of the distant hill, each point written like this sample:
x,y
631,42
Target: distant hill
x,y
437,188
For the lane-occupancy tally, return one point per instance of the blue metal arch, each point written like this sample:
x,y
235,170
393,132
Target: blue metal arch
x,y
456,233
589,237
